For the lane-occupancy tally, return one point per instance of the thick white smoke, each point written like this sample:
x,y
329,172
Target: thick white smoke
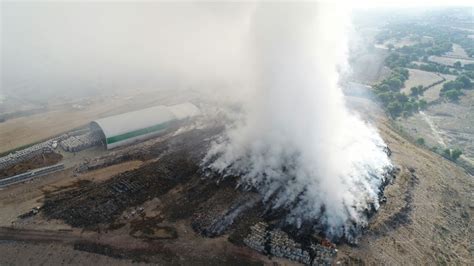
x,y
298,145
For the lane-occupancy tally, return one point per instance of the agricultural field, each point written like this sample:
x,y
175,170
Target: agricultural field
x,y
449,61
420,77
432,94
457,52
440,116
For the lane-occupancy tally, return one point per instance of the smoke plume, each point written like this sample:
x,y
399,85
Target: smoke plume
x,y
297,144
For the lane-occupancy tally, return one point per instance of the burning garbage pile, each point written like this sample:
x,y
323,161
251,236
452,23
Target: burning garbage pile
x,y
298,145
293,172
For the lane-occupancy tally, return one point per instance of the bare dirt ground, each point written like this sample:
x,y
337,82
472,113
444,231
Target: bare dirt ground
x,y
458,52
426,219
61,118
428,215
38,161
452,121
432,94
419,77
449,61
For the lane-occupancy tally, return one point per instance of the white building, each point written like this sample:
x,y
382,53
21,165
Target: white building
x,y
127,128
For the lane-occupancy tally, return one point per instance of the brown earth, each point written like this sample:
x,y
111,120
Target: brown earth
x,y
428,215
60,118
158,211
38,161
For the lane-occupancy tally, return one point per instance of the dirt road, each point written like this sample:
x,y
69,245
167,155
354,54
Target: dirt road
x,y
8,233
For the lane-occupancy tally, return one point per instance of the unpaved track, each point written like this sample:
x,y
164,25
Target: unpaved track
x,y
8,233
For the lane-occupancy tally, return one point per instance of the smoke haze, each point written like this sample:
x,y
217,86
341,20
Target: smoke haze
x,y
299,145
83,48
296,142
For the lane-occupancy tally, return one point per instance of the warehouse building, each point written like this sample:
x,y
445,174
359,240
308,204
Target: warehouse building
x,y
127,128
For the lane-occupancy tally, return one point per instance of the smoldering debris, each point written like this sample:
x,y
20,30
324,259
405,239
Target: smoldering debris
x,y
298,145
185,194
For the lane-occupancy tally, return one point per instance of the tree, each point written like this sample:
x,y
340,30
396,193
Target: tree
x,y
385,97
384,87
390,46
422,104
394,108
453,84
465,81
453,95
403,72
455,154
418,90
447,153
457,64
420,141
394,83
401,97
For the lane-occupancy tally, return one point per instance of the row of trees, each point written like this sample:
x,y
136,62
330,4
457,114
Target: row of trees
x,y
433,67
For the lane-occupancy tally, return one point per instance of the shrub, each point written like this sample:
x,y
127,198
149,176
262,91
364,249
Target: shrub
x,y
447,153
453,94
420,141
455,154
394,108
422,104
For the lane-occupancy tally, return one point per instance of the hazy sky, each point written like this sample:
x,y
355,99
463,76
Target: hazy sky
x,y
83,46
410,3
86,46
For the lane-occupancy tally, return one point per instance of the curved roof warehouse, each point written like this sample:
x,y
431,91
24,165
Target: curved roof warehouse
x,y
143,124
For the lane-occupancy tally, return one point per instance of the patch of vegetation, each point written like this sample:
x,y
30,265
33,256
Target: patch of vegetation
x,y
420,141
433,67
397,103
430,40
451,154
418,90
451,90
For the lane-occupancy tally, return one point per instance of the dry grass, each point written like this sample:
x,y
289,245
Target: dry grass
x,y
62,118
419,77
453,121
448,61
432,94
458,52
435,225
